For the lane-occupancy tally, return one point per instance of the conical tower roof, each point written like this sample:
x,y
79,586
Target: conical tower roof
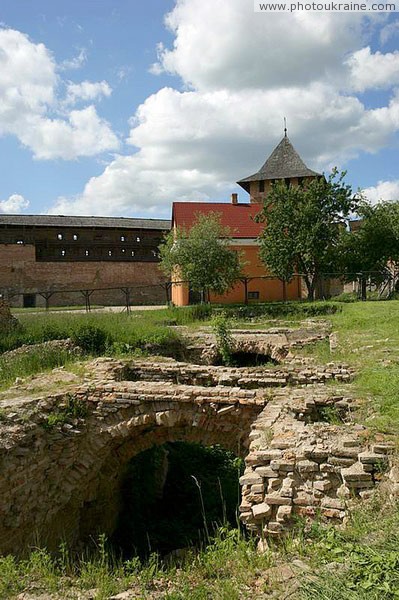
x,y
284,162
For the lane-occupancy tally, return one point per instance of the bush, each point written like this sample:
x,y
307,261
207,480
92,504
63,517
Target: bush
x,y
221,326
281,309
91,339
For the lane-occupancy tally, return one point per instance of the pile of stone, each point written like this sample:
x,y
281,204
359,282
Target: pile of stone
x,y
299,465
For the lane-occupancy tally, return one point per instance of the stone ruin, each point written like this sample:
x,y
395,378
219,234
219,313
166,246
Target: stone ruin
x,y
304,454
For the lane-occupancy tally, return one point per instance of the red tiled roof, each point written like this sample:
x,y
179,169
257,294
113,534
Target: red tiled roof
x,y
238,217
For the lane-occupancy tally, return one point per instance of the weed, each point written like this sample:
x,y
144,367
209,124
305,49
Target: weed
x,y
73,408
221,326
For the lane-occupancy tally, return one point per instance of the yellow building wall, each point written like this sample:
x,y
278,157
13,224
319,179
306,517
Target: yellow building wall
x,y
269,289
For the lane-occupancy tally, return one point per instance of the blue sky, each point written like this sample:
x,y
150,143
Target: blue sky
x,y
121,107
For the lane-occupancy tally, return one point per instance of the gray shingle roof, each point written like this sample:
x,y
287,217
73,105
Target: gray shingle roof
x,y
283,162
66,221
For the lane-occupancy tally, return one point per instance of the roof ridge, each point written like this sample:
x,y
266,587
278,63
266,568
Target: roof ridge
x,y
284,162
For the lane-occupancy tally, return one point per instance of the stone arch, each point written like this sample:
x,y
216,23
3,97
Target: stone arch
x,y
70,483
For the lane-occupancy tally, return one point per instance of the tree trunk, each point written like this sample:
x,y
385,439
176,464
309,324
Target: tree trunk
x,y
363,287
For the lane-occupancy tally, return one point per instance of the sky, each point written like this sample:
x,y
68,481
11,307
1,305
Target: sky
x,y
120,107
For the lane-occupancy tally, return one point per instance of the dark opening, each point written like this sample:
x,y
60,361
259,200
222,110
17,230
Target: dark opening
x,y
29,300
248,359
161,503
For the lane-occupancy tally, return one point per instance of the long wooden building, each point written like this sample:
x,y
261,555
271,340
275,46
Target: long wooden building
x,y
60,259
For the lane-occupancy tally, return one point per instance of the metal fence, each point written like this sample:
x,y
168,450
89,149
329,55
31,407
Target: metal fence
x,y
365,285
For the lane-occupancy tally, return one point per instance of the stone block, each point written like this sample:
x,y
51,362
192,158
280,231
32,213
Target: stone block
x,y
333,503
250,479
283,513
307,466
277,499
322,486
265,472
261,511
332,513
384,447
274,483
257,488
283,465
371,458
355,474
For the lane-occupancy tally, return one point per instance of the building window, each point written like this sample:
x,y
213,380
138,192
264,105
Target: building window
x,y
60,236
261,186
253,295
132,252
75,237
154,253
87,253
109,252
138,239
63,252
287,181
123,238
123,251
20,242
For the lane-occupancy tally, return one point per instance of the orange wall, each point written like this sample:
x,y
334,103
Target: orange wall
x,y
269,289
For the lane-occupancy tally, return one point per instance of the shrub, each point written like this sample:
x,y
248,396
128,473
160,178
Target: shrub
x,y
91,339
222,329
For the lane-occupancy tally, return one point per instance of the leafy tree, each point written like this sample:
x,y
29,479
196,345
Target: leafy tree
x,y
303,225
203,256
373,248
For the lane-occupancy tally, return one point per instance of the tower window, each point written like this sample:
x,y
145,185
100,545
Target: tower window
x,y
261,186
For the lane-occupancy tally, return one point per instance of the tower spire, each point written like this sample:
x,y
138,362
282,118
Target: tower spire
x,y
285,127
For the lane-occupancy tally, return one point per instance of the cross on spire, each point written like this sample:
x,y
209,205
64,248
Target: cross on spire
x,y
285,127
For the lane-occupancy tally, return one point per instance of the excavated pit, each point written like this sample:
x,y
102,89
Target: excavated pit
x,y
303,454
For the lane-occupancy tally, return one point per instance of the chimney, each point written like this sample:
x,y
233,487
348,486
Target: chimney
x,y
234,198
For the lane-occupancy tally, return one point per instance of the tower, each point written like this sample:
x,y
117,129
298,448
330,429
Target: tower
x,y
284,164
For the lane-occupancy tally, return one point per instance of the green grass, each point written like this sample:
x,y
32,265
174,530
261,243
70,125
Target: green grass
x,y
368,338
359,562
223,570
123,334
355,563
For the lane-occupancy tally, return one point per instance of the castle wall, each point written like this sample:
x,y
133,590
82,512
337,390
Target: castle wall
x,y
21,273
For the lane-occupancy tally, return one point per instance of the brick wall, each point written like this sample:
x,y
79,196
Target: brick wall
x,y
20,273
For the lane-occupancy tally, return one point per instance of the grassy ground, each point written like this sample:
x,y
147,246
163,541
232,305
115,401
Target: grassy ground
x,y
357,563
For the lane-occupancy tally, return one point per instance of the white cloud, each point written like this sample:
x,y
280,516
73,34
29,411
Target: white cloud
x,y
221,44
14,204
242,73
74,63
87,91
376,70
387,191
192,145
29,107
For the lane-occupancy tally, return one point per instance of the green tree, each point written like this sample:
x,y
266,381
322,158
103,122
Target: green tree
x,y
303,227
372,249
202,256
